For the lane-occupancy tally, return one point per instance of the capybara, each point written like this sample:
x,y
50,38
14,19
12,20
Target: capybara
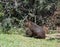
x,y
34,30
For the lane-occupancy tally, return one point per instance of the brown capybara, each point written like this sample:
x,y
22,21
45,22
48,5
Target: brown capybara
x,y
34,30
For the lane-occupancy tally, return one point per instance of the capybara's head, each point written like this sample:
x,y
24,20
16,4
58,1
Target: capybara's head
x,y
28,24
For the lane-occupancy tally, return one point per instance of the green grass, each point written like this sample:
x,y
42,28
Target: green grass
x,y
21,41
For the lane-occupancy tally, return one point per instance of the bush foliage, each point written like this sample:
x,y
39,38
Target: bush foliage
x,y
15,12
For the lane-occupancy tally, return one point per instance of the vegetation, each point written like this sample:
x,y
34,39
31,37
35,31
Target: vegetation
x,y
21,41
15,13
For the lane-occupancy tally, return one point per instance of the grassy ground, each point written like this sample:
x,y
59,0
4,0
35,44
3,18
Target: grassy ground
x,y
21,41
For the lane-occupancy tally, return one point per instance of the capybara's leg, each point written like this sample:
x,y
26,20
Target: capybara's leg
x,y
28,33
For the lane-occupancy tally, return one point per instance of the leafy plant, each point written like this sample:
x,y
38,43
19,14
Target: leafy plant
x,y
37,11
